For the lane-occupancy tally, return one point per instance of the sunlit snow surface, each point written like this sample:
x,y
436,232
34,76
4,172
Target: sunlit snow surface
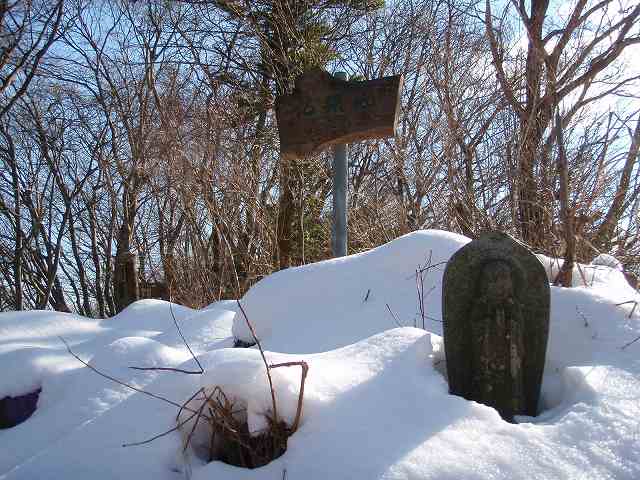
x,y
375,406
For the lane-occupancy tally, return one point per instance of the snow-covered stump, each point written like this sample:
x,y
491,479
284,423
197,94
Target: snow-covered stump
x,y
229,437
495,309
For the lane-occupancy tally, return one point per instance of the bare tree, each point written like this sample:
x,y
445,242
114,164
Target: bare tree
x,y
566,62
613,216
28,28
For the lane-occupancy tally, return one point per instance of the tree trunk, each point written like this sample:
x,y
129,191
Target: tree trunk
x,y
56,299
564,277
464,207
52,267
125,275
286,209
18,301
82,278
95,257
530,209
17,260
606,230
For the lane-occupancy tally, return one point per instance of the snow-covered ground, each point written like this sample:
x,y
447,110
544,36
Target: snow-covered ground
x,y
375,405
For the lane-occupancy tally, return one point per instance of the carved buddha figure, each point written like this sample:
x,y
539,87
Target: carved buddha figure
x,y
497,326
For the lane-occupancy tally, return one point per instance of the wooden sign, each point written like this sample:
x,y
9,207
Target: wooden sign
x,y
324,110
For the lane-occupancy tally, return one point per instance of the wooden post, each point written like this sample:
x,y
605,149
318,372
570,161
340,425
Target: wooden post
x,y
125,280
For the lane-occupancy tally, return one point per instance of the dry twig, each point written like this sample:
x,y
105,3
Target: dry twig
x,y
420,272
302,364
303,377
178,370
167,432
635,305
393,316
584,318
120,382
630,343
266,364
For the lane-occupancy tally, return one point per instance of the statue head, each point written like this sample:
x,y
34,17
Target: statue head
x,y
496,281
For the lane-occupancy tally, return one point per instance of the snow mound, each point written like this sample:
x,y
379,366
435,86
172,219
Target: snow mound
x,y
607,261
331,304
376,402
374,409
604,271
32,355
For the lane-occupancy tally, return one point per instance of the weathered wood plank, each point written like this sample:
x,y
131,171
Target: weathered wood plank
x,y
324,110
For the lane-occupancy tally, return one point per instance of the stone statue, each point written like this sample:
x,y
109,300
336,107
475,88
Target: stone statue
x,y
496,322
496,314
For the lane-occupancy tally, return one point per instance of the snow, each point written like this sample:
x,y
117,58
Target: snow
x,y
608,261
340,301
376,403
603,270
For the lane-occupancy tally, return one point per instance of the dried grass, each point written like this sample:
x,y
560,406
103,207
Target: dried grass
x,y
229,438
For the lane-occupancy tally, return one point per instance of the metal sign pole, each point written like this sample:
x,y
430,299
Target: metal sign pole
x,y
340,175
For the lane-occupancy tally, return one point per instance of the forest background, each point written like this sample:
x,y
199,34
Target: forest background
x,y
139,152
